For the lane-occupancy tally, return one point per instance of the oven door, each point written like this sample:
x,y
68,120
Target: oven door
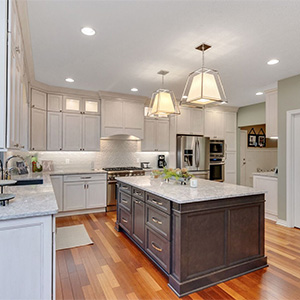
x,y
111,195
217,172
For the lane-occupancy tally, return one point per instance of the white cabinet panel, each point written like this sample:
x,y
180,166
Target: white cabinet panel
x,y
91,133
74,196
72,131
230,131
38,129
26,258
24,119
197,121
214,124
230,167
91,106
162,135
38,99
183,121
190,121
57,183
112,114
133,118
149,141
271,114
72,104
96,194
55,102
54,131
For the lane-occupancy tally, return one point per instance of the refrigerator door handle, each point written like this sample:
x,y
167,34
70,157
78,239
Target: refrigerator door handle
x,y
197,153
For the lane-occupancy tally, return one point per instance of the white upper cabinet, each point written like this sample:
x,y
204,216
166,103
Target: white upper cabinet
x,y
190,121
24,119
38,99
55,102
230,131
271,114
122,117
91,106
91,133
72,132
72,104
157,135
54,131
214,124
38,129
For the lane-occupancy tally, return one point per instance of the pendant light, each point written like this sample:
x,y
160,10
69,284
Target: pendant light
x,y
163,101
203,86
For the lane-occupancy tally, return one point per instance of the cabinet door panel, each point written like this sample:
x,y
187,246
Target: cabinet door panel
x,y
57,183
138,221
91,133
72,131
91,106
149,141
24,119
197,121
96,194
74,196
72,104
230,167
55,102
38,129
271,114
184,121
162,135
133,115
38,99
54,131
113,113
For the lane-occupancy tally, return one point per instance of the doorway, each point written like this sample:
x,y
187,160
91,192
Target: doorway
x,y
293,168
243,151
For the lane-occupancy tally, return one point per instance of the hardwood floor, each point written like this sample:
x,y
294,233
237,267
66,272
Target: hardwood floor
x,y
114,268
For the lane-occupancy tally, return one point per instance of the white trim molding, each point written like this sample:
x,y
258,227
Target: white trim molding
x,y
282,223
290,167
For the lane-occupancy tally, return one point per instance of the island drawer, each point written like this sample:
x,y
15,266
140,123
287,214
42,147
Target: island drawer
x,y
84,177
158,221
125,220
125,188
158,248
125,201
160,203
138,193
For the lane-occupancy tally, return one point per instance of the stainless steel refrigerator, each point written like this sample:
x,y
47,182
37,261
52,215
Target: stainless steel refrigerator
x,y
193,154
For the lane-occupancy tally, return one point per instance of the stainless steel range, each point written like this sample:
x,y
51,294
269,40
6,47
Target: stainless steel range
x,y
112,173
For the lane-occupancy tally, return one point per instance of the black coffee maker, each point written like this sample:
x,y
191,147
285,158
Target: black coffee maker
x,y
161,162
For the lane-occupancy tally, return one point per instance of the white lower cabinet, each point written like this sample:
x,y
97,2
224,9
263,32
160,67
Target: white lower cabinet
x,y
95,194
57,183
38,129
156,135
74,195
26,250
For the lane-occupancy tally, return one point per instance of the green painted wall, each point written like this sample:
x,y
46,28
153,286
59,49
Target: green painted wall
x,y
288,99
252,115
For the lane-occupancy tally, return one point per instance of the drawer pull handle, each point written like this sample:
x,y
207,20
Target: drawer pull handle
x,y
156,248
87,177
123,200
139,193
124,220
156,221
156,202
137,202
125,187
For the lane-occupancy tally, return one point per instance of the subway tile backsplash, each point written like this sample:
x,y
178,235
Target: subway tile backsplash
x,y
113,153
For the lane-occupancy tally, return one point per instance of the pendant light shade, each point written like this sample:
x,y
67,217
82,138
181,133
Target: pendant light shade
x,y
203,86
163,101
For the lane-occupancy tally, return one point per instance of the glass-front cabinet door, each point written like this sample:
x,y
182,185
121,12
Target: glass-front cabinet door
x,y
72,104
91,106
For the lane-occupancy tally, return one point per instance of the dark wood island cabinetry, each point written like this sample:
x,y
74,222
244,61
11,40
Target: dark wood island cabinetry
x,y
197,242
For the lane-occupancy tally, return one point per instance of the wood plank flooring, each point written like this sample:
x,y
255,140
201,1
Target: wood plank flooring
x,y
114,268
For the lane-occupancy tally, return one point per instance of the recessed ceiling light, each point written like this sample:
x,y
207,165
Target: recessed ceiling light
x,y
259,93
184,97
134,90
273,62
69,80
88,31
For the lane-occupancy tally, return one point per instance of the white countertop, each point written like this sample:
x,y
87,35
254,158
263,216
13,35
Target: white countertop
x,y
266,174
206,190
30,200
76,172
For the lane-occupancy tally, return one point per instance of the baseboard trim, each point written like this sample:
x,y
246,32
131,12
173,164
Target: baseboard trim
x,y
80,212
271,217
282,223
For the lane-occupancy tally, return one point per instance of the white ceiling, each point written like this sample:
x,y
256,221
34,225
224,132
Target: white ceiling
x,y
136,39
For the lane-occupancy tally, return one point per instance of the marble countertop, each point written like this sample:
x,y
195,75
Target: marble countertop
x,y
76,172
30,200
206,190
266,174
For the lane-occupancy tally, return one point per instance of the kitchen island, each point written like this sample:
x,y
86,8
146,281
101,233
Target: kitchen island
x,y
198,236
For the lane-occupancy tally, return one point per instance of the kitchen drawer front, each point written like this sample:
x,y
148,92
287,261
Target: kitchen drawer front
x,y
158,248
140,194
138,221
126,188
125,220
158,221
125,201
160,203
84,177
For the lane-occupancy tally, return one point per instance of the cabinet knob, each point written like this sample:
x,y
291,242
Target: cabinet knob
x,y
16,145
60,110
22,147
33,106
60,149
32,148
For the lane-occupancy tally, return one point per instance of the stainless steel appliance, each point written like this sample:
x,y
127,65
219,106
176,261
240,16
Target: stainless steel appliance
x,y
161,162
193,154
216,148
217,169
112,173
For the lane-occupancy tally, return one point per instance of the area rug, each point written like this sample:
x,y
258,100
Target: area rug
x,y
72,236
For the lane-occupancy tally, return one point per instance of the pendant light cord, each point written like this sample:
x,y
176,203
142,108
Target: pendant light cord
x,y
203,55
162,81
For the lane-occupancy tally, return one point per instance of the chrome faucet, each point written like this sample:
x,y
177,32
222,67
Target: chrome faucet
x,y
8,171
2,170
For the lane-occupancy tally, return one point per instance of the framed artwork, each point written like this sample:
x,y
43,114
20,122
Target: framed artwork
x,y
252,138
261,138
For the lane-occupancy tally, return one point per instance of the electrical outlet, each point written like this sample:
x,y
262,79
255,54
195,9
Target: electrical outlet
x,y
138,160
67,160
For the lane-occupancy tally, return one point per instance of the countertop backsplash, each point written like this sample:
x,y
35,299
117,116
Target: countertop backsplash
x,y
113,153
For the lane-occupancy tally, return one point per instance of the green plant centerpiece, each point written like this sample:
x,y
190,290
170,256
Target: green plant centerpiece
x,y
180,175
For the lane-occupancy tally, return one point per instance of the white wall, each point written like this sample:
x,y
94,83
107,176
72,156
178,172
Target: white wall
x,y
113,153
